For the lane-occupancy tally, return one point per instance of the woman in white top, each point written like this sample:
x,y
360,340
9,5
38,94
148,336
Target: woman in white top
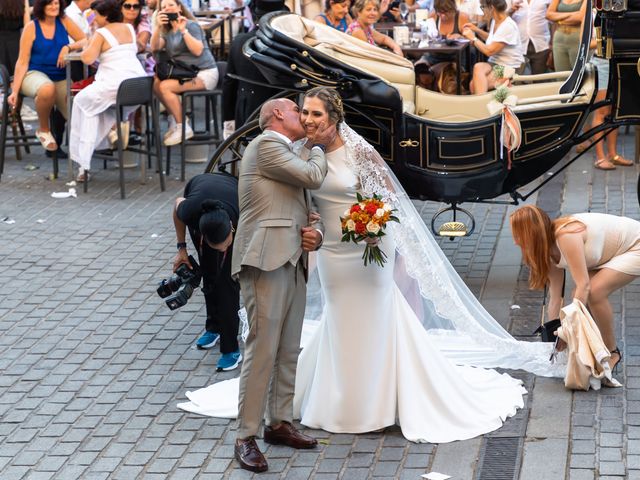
x,y
114,45
501,45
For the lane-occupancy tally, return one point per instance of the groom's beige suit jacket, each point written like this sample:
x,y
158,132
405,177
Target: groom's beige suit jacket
x,y
274,205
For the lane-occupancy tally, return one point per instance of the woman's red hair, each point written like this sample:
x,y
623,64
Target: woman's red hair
x,y
533,232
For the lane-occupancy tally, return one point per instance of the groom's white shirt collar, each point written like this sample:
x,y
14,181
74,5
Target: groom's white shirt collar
x,y
285,138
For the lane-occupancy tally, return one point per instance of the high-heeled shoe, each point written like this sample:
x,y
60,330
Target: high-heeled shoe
x,y
615,367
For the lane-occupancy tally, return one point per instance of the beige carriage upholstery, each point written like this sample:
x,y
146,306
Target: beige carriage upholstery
x,y
379,62
398,72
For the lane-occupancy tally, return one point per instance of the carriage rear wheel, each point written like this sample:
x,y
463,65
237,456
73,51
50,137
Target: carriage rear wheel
x,y
227,156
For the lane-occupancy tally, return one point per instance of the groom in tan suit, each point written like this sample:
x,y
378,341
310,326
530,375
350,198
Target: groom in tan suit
x,y
269,257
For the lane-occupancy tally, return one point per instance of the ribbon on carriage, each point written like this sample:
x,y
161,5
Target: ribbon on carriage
x,y
510,129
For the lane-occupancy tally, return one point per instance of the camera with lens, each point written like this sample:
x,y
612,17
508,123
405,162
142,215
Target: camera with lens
x,y
178,288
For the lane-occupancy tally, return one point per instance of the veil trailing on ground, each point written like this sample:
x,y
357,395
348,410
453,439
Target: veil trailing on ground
x,y
463,330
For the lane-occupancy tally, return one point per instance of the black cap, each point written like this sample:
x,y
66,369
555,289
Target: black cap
x,y
262,7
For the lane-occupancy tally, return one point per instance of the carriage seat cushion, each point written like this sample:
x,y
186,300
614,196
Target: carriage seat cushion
x,y
376,61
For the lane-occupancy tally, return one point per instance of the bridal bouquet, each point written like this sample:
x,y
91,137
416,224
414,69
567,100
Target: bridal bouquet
x,y
367,219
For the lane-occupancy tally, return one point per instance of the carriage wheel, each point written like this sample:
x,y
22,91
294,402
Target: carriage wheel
x,y
227,156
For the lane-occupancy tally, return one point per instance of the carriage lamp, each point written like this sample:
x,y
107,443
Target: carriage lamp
x,y
453,229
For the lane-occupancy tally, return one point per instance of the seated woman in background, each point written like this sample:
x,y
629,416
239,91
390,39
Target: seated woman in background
x,y
336,14
183,40
449,20
114,46
501,44
602,253
40,72
367,14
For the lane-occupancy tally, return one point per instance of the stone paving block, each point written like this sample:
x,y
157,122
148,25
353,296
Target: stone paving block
x,y
385,469
306,459
218,465
330,465
581,474
611,440
127,472
106,464
392,454
356,474
583,446
582,461
612,468
299,473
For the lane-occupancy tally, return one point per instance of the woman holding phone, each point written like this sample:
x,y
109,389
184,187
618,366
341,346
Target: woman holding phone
x,y
182,39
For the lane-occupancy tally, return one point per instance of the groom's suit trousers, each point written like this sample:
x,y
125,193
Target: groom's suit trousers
x,y
275,302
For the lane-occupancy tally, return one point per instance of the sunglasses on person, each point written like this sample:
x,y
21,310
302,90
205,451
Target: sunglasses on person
x,y
131,6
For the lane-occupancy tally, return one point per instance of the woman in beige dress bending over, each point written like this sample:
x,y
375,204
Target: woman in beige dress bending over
x,y
602,253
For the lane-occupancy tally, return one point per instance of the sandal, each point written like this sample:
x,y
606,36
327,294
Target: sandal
x,y
618,160
604,164
113,135
47,140
82,177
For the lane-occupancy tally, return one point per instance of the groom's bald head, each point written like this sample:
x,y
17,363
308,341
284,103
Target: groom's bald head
x,y
283,116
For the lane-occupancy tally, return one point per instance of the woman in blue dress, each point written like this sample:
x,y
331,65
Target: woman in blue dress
x,y
336,14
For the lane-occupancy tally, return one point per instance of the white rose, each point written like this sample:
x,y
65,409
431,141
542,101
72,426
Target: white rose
x,y
373,227
380,212
347,212
351,225
386,207
362,205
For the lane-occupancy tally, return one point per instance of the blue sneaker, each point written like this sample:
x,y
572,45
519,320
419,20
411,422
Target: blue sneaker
x,y
229,361
207,340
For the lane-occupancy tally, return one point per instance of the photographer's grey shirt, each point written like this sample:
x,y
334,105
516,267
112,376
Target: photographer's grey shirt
x,y
177,49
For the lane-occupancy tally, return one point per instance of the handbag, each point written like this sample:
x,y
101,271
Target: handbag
x,y
547,330
176,70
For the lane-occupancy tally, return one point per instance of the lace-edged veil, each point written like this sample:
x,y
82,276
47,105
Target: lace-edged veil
x,y
463,330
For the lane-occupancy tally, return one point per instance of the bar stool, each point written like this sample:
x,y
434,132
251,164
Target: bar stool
x,y
206,136
19,138
137,92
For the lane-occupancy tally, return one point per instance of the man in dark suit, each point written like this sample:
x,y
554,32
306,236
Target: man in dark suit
x,y
240,99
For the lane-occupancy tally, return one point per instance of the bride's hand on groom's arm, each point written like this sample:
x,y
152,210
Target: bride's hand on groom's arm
x,y
311,239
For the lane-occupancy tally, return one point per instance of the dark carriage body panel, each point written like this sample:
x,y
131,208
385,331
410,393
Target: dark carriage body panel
x,y
451,156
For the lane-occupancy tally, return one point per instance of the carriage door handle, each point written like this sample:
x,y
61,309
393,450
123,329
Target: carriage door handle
x,y
409,143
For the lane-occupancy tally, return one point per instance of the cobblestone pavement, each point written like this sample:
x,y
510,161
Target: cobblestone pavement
x,y
93,363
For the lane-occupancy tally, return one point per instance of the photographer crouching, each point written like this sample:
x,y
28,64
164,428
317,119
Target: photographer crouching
x,y
210,210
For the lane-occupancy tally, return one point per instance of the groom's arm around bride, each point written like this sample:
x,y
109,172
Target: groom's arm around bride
x,y
269,258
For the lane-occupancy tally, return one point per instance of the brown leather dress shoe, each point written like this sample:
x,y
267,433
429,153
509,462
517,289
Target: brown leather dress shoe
x,y
249,455
286,434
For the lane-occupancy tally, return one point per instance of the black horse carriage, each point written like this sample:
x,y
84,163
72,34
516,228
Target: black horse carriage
x,y
449,148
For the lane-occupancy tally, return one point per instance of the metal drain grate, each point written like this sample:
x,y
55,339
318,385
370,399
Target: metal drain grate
x,y
500,458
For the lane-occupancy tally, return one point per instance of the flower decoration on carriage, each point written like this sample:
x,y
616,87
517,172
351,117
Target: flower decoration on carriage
x,y
510,129
367,219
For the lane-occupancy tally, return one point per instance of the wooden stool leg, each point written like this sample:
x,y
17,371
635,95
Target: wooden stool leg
x,y
637,152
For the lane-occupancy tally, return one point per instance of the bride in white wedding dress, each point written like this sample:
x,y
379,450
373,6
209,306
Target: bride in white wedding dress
x,y
400,344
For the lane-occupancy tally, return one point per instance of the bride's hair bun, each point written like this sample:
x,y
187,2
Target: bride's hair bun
x,y
332,102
